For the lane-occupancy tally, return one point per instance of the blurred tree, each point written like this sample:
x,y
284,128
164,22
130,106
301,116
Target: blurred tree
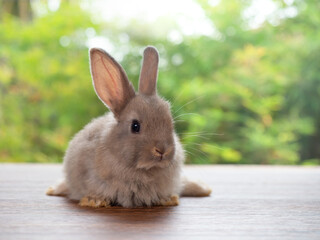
x,y
304,93
18,8
241,95
44,74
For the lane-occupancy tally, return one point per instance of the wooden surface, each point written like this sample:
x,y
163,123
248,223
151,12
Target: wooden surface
x,y
247,202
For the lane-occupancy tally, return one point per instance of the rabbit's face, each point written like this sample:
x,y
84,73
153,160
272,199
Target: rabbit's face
x,y
145,133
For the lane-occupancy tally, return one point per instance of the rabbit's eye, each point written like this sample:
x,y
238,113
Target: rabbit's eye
x,y
135,126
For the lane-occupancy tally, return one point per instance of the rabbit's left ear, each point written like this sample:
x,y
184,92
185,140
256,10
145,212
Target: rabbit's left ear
x,y
149,71
110,81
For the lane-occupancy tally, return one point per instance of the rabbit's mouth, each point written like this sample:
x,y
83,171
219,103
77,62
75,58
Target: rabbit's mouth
x,y
158,160
147,165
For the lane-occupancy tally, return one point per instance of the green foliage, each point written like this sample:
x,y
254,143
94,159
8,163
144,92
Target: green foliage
x,y
245,96
46,93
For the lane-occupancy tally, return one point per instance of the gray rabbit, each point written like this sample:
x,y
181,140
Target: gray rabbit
x,y
131,156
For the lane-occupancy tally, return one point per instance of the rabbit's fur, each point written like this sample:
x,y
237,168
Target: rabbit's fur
x,y
107,163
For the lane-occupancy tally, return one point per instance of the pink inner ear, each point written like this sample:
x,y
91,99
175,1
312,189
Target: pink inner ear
x,y
113,87
107,79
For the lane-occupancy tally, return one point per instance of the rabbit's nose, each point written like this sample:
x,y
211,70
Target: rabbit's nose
x,y
158,152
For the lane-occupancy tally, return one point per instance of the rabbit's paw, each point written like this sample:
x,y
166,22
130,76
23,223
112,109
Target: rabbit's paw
x,y
93,202
50,191
172,201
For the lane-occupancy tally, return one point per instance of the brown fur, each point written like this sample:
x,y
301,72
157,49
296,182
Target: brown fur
x,y
106,163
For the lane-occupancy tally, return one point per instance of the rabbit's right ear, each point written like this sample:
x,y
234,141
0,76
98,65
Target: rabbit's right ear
x,y
110,81
149,71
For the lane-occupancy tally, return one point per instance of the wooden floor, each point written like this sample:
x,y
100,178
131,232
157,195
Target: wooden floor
x,y
247,202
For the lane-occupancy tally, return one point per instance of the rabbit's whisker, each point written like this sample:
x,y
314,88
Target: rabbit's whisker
x,y
203,160
183,114
200,151
176,98
195,136
186,104
190,153
179,120
199,144
192,143
220,148
202,134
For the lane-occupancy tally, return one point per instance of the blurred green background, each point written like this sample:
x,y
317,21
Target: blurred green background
x,y
243,76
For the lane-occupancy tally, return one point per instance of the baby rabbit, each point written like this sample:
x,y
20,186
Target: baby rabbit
x,y
131,156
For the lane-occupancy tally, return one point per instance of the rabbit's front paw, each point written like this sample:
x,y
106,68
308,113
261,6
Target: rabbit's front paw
x,y
50,191
94,202
172,201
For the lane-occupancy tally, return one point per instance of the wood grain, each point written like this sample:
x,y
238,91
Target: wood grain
x,y
247,202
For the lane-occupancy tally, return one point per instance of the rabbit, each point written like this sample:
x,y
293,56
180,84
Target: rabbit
x,y
131,156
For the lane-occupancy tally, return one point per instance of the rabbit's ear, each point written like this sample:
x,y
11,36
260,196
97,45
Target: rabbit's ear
x,y
149,71
110,81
